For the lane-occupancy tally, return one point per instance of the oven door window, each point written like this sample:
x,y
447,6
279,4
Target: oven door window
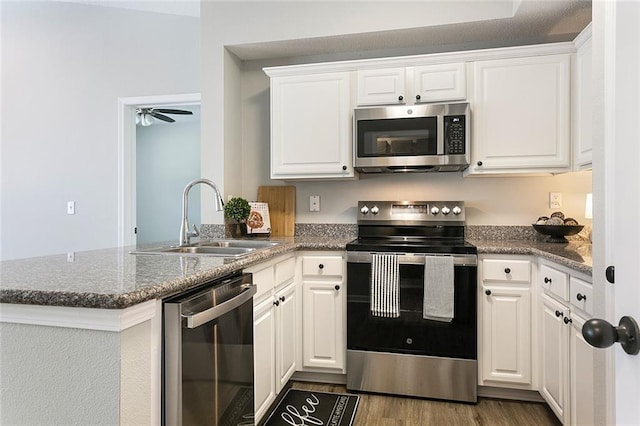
x,y
217,370
410,333
397,137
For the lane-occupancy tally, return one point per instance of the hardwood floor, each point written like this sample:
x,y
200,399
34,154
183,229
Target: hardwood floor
x,y
378,410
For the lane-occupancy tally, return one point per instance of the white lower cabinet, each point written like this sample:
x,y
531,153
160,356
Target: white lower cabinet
x,y
505,322
567,360
554,386
323,312
275,322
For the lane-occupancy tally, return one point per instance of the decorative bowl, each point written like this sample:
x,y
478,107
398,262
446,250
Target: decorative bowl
x,y
557,233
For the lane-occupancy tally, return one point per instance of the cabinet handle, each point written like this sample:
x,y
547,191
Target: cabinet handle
x,y
559,314
276,302
547,280
507,270
417,97
321,266
487,292
282,299
479,163
567,320
344,168
337,287
400,98
581,297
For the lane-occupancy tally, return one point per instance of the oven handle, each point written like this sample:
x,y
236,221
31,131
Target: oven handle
x,y
412,258
199,318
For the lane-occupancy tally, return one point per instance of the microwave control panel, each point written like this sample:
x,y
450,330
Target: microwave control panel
x,y
454,134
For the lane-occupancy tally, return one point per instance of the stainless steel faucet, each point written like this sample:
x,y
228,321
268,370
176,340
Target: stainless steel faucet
x,y
185,234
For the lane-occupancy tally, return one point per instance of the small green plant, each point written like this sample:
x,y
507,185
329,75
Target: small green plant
x,y
237,208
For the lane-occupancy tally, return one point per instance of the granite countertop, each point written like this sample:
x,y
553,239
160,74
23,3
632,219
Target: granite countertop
x,y
116,279
575,254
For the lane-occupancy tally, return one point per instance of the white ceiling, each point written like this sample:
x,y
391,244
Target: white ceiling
x,y
533,22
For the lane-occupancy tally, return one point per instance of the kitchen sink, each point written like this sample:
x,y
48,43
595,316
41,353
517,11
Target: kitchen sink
x,y
220,248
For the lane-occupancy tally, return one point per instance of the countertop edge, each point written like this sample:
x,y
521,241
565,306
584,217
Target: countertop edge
x,y
173,286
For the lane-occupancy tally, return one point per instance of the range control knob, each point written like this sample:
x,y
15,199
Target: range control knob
x,y
435,210
364,210
445,210
457,210
375,210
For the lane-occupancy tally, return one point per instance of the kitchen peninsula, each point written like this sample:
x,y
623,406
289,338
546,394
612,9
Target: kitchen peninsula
x,y
88,330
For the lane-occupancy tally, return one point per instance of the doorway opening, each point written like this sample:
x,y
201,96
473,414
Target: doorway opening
x,y
155,163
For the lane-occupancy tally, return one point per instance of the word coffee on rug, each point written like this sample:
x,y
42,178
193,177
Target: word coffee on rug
x,y
312,408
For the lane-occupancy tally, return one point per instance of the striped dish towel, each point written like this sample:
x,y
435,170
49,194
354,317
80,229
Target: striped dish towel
x,y
385,286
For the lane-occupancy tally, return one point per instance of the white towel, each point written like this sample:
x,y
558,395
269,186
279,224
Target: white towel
x,y
385,288
438,288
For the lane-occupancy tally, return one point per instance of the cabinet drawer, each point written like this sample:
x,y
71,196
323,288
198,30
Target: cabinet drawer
x,y
263,279
506,270
581,294
322,266
554,282
285,271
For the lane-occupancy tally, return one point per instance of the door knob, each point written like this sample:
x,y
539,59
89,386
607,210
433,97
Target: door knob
x,y
601,334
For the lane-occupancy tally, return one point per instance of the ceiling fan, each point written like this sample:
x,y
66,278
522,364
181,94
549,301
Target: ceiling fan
x,y
145,116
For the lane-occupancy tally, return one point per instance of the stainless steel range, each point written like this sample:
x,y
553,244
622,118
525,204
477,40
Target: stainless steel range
x,y
411,301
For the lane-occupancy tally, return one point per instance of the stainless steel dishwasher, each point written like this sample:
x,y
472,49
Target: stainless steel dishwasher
x,y
208,354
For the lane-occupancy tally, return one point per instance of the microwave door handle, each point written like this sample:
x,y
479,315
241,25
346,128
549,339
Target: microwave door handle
x,y
440,134
199,318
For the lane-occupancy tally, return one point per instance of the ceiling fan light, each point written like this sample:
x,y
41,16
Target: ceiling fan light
x,y
146,120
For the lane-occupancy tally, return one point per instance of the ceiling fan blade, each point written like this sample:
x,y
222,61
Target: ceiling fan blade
x,y
161,117
173,111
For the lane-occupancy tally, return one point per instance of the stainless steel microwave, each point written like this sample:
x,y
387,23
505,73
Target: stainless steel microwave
x,y
412,138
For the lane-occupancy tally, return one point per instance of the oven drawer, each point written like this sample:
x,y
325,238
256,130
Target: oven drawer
x,y
506,270
323,266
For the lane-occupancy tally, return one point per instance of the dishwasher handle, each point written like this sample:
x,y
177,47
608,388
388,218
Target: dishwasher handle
x,y
197,319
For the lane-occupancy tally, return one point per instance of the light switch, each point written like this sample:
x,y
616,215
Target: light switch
x,y
71,207
314,203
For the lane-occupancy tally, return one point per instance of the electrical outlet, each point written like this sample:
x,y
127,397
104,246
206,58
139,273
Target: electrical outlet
x,y
314,203
71,207
555,200
71,256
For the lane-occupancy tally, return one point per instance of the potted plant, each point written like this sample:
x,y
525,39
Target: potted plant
x,y
237,209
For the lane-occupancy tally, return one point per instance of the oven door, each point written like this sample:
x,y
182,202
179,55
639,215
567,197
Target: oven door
x,y
410,333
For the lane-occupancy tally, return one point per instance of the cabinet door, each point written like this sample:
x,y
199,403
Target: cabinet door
x,y
264,357
521,115
381,86
323,324
582,387
444,82
583,107
285,335
311,119
506,334
555,357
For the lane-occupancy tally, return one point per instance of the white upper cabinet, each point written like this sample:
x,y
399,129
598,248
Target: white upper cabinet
x,y
583,90
408,85
521,115
311,122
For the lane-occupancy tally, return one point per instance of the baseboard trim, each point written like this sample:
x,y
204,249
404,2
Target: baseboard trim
x,y
515,394
313,377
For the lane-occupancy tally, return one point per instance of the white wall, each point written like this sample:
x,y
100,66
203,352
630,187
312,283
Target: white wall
x,y
63,68
167,158
490,201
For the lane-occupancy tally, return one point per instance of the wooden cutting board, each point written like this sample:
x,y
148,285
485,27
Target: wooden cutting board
x,y
282,208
